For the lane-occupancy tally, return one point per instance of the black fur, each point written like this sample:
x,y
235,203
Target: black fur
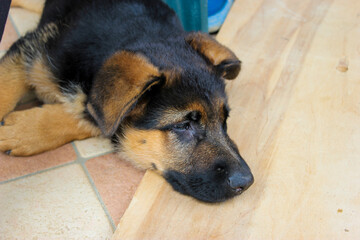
x,y
88,32
91,31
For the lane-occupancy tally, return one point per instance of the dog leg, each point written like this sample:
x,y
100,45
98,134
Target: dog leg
x,y
32,5
12,82
39,129
23,67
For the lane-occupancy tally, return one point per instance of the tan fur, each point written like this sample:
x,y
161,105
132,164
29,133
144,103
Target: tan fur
x,y
123,79
75,105
12,83
134,72
145,148
43,81
173,115
135,67
221,112
32,5
22,68
210,48
40,129
159,148
172,75
196,106
162,149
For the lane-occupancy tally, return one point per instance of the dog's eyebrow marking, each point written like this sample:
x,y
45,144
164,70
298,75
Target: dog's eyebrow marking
x,y
223,109
196,106
174,115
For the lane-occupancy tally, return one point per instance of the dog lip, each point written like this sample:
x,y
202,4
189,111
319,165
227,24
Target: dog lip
x,y
238,190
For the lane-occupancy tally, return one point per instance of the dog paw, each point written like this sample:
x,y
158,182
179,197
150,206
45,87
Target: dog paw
x,y
20,135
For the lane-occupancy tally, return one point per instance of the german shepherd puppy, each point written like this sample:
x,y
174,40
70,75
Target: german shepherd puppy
x,y
126,69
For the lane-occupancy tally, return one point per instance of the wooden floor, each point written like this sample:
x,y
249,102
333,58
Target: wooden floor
x,y
296,119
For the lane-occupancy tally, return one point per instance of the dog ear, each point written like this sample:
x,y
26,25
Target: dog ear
x,y
222,59
121,81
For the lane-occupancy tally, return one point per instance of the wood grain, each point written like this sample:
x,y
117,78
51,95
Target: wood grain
x,y
296,119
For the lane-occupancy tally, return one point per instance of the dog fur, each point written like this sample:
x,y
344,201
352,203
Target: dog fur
x,y
126,69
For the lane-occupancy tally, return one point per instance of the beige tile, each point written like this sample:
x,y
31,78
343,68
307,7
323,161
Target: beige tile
x,y
93,146
59,204
12,167
116,181
24,20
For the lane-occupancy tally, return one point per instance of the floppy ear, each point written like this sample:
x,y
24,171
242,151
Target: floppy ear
x,y
117,87
222,59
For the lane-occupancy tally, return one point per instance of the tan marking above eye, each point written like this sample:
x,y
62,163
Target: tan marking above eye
x,y
174,115
196,106
224,112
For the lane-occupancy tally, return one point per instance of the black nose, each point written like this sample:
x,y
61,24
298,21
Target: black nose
x,y
239,182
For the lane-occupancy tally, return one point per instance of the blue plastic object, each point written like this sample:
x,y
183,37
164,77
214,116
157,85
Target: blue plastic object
x,y
193,14
215,6
218,10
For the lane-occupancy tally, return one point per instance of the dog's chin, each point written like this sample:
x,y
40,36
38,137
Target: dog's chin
x,y
199,187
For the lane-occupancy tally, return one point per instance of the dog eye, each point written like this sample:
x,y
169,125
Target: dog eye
x,y
194,116
182,126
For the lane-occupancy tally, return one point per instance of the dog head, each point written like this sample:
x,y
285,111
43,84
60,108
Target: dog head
x,y
174,121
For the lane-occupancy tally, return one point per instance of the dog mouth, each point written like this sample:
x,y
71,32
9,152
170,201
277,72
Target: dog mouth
x,y
201,187
238,190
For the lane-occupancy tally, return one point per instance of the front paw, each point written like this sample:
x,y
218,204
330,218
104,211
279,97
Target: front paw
x,y
19,134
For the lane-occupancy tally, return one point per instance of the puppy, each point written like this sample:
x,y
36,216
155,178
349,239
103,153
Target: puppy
x,y
126,69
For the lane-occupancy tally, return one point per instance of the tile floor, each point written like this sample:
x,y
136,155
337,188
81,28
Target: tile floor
x,y
78,191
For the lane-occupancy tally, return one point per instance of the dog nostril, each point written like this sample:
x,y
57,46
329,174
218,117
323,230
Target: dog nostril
x,y
221,169
239,182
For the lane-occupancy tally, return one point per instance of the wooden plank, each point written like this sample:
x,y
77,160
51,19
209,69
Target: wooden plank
x,y
296,119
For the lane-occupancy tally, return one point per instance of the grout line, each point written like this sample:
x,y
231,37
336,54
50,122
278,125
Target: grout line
x,y
92,183
37,172
78,156
14,25
82,159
